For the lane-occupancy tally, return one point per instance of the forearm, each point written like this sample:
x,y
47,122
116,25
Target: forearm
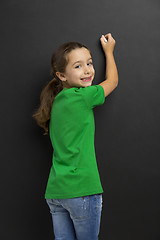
x,y
111,68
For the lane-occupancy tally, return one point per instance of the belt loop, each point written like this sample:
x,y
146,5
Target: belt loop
x,y
83,197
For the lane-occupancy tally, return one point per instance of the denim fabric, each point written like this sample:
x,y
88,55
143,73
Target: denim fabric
x,y
76,218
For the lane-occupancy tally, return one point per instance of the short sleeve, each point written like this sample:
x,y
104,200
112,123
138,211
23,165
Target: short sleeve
x,y
93,95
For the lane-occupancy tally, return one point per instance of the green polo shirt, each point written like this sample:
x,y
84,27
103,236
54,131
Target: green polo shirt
x,y
74,171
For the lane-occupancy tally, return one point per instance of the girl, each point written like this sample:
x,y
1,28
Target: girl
x,y
74,191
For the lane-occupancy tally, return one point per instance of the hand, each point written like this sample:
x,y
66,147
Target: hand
x,y
109,45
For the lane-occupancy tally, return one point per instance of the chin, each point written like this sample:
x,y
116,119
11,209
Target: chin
x,y
88,84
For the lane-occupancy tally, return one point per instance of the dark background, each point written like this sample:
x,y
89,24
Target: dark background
x,y
127,125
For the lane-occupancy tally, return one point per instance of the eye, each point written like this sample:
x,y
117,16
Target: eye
x,y
77,66
90,63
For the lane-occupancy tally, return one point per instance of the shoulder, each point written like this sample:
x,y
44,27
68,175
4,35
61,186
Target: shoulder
x,y
90,89
92,95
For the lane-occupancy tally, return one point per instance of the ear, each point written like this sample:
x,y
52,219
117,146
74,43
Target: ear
x,y
61,76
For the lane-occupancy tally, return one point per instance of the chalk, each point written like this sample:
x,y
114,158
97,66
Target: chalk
x,y
105,39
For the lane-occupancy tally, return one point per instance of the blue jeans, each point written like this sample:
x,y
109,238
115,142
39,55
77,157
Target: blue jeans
x,y
76,218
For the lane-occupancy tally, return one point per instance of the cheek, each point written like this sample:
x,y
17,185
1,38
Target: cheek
x,y
93,70
76,74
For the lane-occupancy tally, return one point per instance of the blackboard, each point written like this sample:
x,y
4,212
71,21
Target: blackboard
x,y
127,125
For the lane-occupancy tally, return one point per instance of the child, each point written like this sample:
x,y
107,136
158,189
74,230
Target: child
x,y
74,191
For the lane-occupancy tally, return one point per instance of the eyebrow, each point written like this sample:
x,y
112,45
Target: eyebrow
x,y
81,61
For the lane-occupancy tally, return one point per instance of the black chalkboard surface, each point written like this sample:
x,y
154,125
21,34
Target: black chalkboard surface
x,y
127,125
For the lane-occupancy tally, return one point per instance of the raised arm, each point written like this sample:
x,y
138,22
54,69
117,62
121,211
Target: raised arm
x,y
111,81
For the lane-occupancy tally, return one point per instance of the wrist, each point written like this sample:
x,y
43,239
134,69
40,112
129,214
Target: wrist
x,y
109,53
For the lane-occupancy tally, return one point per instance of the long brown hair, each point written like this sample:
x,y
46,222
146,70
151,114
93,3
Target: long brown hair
x,y
59,62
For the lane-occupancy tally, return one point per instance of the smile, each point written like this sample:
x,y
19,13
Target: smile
x,y
86,79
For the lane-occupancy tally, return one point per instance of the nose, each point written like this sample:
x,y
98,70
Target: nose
x,y
87,70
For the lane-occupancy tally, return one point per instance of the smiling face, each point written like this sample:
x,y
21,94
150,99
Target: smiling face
x,y
79,71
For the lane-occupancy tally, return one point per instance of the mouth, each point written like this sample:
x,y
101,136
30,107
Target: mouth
x,y
87,79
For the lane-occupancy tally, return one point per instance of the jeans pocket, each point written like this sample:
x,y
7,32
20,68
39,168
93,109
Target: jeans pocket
x,y
78,207
51,205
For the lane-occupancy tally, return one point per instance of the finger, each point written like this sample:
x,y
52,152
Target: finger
x,y
108,36
103,39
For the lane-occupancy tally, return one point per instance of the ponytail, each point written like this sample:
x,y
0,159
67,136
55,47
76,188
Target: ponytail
x,y
42,114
